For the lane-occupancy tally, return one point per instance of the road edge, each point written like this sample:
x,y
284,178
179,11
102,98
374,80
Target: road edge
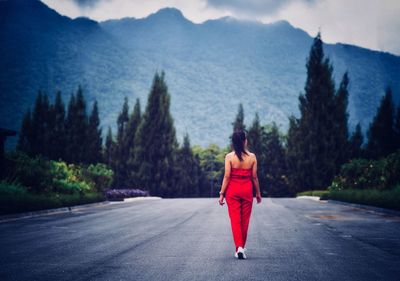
x,y
31,214
356,205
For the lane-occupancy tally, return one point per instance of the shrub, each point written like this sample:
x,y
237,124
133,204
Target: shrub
x,y
379,174
100,175
125,193
32,172
11,189
68,179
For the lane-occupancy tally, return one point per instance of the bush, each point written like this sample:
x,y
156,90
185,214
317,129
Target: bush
x,y
124,193
32,172
32,202
380,174
379,198
11,189
100,175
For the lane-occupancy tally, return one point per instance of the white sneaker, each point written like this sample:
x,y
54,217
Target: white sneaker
x,y
240,253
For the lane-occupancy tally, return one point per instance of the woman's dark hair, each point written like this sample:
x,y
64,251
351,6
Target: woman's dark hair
x,y
238,138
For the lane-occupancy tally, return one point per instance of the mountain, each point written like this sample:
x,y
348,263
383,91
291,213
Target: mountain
x,y
210,67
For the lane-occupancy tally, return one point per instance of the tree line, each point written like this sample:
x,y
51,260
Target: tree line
x,y
318,143
144,152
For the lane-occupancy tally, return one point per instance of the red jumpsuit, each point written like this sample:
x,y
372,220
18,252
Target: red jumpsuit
x,y
239,198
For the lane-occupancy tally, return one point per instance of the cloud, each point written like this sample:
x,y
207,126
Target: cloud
x,y
253,7
86,3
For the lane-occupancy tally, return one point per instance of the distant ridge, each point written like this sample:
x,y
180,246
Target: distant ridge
x,y
210,67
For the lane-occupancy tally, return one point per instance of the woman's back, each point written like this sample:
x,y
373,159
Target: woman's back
x,y
247,163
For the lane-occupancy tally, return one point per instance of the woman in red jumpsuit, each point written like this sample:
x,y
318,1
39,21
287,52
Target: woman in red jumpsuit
x,y
237,188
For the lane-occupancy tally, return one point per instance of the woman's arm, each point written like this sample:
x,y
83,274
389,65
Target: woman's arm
x,y
225,181
255,180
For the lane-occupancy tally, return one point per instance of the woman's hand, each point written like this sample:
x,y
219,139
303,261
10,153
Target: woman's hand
x,y
258,197
221,200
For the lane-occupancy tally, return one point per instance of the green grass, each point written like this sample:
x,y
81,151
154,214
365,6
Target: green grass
x,y
318,193
379,198
26,202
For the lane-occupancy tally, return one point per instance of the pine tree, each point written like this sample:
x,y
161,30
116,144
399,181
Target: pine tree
x,y
109,149
256,143
275,182
156,142
381,133
25,136
238,124
130,136
397,128
341,123
188,172
355,143
39,117
94,139
122,151
77,124
314,150
57,129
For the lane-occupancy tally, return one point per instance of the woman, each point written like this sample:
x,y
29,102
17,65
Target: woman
x,y
237,188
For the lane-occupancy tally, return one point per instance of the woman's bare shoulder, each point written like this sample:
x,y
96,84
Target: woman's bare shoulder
x,y
229,155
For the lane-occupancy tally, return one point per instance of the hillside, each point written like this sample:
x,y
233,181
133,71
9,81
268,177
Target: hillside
x,y
210,67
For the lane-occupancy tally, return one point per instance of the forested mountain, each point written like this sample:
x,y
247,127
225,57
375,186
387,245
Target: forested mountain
x,y
210,67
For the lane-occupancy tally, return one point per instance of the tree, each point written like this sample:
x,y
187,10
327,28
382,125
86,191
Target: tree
x,y
256,142
94,139
156,142
188,171
381,133
121,150
238,124
355,143
109,149
130,136
39,141
76,127
313,153
25,136
341,123
397,127
57,129
275,171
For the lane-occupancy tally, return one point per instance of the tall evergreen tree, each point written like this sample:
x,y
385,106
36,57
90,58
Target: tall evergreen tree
x,y
238,124
397,127
57,129
276,183
133,124
25,136
187,171
94,139
341,123
293,155
122,151
355,143
256,142
38,126
156,142
109,149
76,125
381,133
316,143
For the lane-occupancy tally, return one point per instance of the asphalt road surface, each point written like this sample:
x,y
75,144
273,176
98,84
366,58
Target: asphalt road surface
x,y
191,239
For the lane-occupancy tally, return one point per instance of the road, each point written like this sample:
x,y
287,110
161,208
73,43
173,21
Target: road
x,y
191,239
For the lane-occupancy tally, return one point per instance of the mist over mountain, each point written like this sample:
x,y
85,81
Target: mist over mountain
x,y
210,67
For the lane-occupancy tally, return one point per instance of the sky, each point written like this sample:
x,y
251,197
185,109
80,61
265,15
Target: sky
x,y
373,24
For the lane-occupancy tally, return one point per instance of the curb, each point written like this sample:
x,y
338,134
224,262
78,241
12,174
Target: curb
x,y
369,208
11,217
316,198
